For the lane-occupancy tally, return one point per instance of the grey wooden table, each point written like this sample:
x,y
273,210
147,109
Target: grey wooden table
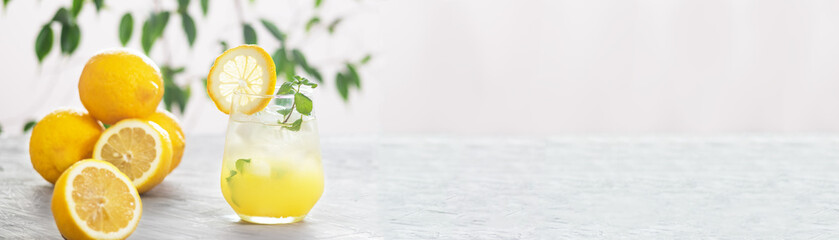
x,y
496,188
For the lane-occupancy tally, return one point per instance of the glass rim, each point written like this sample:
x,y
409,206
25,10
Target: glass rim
x,y
264,95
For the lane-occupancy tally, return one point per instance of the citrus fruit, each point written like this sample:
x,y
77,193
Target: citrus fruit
x,y
94,200
62,138
141,149
118,84
244,69
169,123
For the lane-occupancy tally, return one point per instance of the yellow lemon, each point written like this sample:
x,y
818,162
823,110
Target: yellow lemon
x,y
119,84
244,69
94,200
169,123
141,149
62,138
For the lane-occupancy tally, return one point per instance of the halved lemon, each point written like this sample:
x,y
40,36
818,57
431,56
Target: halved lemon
x,y
243,69
94,200
139,148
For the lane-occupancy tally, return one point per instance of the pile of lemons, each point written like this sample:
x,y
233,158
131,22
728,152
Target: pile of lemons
x,y
99,172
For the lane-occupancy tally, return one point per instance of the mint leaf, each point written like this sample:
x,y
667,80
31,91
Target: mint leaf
x,y
304,104
240,164
286,88
295,126
232,173
284,111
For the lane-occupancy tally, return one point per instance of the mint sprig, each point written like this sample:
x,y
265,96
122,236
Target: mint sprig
x,y
302,104
240,168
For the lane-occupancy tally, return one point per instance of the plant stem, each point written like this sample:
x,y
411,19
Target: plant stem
x,y
289,113
293,104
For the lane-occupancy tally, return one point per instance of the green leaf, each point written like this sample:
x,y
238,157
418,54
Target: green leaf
x,y
126,27
249,33
333,25
62,16
316,75
162,19
304,104
366,59
223,45
189,28
172,94
70,36
182,6
341,84
273,30
106,125
43,43
278,57
286,103
352,76
286,88
312,21
99,4
284,111
288,65
240,164
295,126
205,5
300,59
232,173
284,64
5,2
77,7
147,37
152,29
29,125
317,3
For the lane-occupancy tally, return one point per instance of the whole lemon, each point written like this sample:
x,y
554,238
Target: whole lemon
x,y
60,139
118,84
169,123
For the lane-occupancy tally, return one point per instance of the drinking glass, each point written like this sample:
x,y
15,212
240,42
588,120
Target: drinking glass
x,y
271,172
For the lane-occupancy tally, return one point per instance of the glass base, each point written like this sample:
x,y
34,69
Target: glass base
x,y
271,220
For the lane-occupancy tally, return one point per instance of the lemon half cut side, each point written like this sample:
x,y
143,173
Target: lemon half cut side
x,y
94,200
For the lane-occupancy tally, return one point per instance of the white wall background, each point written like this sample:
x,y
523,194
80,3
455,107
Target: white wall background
x,y
499,67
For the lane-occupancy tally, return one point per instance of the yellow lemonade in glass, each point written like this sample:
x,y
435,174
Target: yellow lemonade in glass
x,y
271,173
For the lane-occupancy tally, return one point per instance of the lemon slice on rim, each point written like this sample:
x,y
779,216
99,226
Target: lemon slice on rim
x,y
94,200
141,149
243,69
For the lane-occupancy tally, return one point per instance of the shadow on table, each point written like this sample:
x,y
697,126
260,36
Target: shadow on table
x,y
298,230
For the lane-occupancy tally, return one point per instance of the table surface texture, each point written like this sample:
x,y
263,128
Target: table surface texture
x,y
446,187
